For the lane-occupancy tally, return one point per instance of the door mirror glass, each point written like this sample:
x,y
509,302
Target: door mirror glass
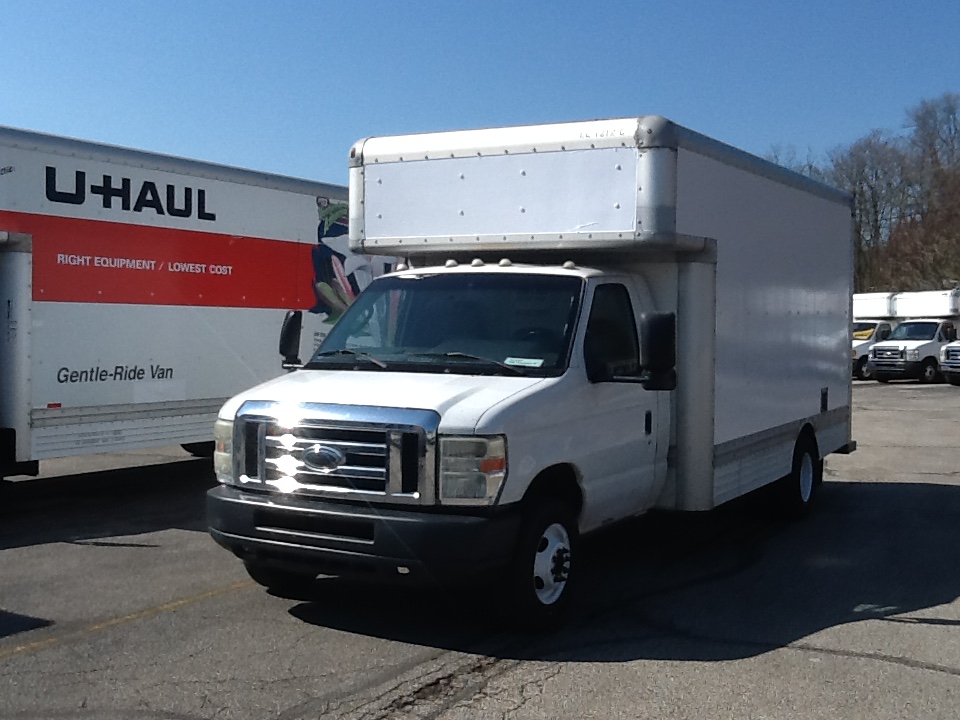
x,y
290,338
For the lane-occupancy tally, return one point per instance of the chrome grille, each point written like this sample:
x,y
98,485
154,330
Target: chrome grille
x,y
953,354
364,454
337,452
884,353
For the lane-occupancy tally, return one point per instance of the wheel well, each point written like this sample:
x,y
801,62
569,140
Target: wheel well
x,y
560,482
808,435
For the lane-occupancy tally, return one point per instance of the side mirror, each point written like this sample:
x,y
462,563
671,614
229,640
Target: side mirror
x,y
290,339
658,342
658,351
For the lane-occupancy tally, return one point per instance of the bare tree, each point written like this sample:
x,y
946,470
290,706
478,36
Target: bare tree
x,y
906,190
877,170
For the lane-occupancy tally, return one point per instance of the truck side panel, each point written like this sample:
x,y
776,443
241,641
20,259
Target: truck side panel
x,y
782,324
783,273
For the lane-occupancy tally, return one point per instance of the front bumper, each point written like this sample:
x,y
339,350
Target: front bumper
x,y
320,537
951,373
901,369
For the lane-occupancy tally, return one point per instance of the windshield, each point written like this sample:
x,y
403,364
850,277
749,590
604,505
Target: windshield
x,y
863,330
914,331
504,324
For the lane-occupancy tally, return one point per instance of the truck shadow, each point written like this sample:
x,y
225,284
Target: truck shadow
x,y
92,508
730,584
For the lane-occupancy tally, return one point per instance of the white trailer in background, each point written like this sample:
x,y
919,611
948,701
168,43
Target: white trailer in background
x,y
912,351
597,319
874,317
137,290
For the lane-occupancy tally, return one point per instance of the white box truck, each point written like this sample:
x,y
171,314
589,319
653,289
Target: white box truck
x,y
912,351
874,318
595,319
136,289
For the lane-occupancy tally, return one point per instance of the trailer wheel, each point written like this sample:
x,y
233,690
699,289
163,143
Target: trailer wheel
x,y
543,566
800,488
929,373
280,582
199,449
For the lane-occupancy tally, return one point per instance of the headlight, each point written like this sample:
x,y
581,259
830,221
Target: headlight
x,y
912,355
223,451
472,469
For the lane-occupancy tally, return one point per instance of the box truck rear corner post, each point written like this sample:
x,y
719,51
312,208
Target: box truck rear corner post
x,y
593,320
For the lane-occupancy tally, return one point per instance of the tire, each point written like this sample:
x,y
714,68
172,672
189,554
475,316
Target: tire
x,y
953,379
929,372
863,372
799,490
199,449
883,379
540,576
281,582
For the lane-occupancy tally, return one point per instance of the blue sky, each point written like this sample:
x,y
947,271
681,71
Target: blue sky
x,y
287,87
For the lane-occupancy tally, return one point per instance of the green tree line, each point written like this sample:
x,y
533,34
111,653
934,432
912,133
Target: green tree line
x,y
906,189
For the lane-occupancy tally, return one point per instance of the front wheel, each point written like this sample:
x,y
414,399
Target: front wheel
x,y
543,565
863,370
280,582
929,373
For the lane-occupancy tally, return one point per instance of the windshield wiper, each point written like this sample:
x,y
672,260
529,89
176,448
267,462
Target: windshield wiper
x,y
355,353
468,356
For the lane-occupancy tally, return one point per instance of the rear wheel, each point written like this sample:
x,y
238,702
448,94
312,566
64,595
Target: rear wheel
x,y
800,488
543,565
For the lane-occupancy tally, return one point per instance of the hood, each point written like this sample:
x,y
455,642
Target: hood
x,y
459,399
903,344
860,343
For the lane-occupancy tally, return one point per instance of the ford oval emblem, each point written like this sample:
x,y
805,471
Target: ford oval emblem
x,y
323,458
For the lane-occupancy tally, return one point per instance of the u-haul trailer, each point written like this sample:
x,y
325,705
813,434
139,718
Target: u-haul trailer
x,y
136,290
597,318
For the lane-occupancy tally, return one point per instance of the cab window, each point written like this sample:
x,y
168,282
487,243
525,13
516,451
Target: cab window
x,y
611,339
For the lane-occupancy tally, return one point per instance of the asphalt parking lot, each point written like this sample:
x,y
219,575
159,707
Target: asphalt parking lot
x,y
115,603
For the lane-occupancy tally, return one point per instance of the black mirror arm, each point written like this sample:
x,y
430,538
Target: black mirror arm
x,y
666,380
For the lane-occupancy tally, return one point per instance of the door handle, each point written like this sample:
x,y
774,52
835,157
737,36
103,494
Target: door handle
x,y
648,422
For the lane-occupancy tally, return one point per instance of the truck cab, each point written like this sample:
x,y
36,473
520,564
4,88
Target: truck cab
x,y
865,333
912,350
950,362
421,390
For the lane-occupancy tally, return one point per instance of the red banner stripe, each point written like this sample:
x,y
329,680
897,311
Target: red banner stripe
x,y
77,260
